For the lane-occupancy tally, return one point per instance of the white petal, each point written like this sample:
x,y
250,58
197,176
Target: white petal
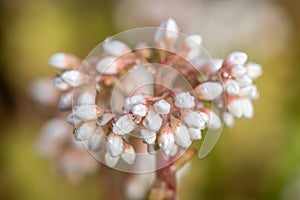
x,y
166,142
195,133
244,81
229,119
110,161
232,88
172,29
115,47
85,131
131,101
253,70
73,77
162,107
208,90
184,100
182,136
238,71
149,137
139,110
195,119
65,102
123,125
60,84
172,151
214,121
128,155
108,65
250,92
235,108
152,121
114,145
64,61
86,112
96,141
237,58
87,98
247,108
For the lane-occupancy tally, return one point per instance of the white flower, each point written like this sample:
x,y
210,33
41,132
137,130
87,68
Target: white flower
x,y
237,58
167,34
85,131
139,110
195,133
87,97
104,119
115,48
86,112
73,77
228,119
208,90
253,70
238,71
195,119
149,137
123,125
166,142
162,107
214,122
65,102
128,155
184,100
108,65
131,101
182,136
60,84
193,45
232,88
96,141
114,145
152,121
64,61
244,81
110,161
235,108
247,108
249,92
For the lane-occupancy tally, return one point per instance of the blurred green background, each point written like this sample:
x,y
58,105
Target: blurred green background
x,y
256,159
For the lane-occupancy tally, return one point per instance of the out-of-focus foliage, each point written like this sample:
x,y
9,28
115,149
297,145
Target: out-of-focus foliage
x,y
257,159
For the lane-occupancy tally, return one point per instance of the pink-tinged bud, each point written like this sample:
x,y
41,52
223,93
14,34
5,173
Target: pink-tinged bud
x,y
191,47
184,100
167,34
228,119
88,97
253,70
237,58
139,110
114,145
115,48
209,90
152,121
238,71
149,137
131,101
60,84
195,133
195,119
182,136
162,107
166,140
235,108
244,81
85,131
64,61
96,141
247,108
73,77
109,65
128,154
110,161
232,88
123,125
65,102
249,92
214,122
87,112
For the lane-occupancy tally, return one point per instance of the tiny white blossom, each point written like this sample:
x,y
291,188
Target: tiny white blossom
x,y
195,133
86,112
104,119
123,125
73,77
253,70
87,97
193,43
63,61
235,108
152,121
85,131
249,92
149,137
182,136
108,65
139,110
166,142
195,119
237,58
162,107
214,122
128,155
208,90
114,145
131,101
167,34
232,88
115,48
228,119
184,100
172,151
238,71
110,161
247,108
60,84
65,102
97,141
244,81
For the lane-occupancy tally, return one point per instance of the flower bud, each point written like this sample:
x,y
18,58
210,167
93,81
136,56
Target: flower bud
x,y
87,112
195,119
114,145
139,110
65,102
182,136
214,122
235,108
128,154
184,100
73,77
166,140
85,131
247,108
149,137
115,48
64,61
109,65
208,90
123,125
59,83
238,71
87,97
162,107
167,34
110,161
253,70
228,119
237,58
192,47
96,141
232,88
244,81
195,133
152,121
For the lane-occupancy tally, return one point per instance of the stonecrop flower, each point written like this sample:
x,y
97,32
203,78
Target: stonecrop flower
x,y
165,119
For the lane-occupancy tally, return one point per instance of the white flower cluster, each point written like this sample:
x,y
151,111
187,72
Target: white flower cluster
x,y
168,120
